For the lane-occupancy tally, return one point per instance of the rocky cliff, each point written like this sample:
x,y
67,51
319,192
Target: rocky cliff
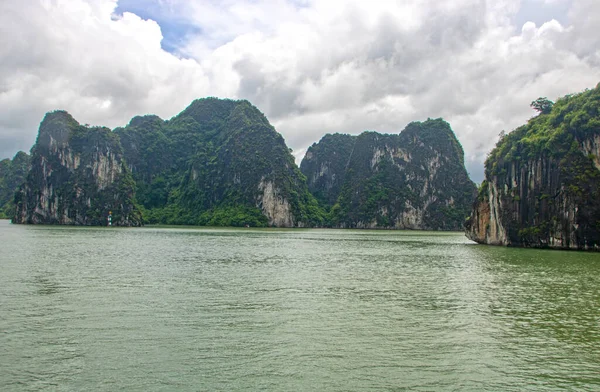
x,y
414,180
77,177
12,175
219,162
325,164
542,181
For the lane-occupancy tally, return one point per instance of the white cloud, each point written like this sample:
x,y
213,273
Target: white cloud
x,y
313,67
75,55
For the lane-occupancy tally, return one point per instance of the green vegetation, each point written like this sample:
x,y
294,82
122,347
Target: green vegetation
x,y
549,167
324,165
542,105
571,119
12,174
77,177
415,179
210,165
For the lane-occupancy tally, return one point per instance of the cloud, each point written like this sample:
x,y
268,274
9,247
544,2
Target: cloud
x,y
76,55
312,66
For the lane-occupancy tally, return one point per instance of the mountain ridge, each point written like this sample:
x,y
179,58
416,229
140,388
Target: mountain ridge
x,y
220,162
392,181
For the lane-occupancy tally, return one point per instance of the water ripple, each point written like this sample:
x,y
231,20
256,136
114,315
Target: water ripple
x,y
289,310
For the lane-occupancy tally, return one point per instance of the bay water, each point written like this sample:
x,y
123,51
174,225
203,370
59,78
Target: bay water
x,y
209,309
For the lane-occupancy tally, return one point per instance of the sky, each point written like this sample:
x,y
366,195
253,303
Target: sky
x,y
312,66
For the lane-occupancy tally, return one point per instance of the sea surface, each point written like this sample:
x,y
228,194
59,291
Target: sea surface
x,y
199,309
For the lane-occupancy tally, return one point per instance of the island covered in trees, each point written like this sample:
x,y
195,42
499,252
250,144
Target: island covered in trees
x,y
221,163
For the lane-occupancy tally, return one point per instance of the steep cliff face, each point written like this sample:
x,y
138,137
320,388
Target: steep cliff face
x,y
414,180
12,175
219,162
77,177
542,181
324,166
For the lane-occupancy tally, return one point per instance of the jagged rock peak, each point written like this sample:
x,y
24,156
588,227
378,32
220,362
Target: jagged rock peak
x,y
21,157
55,129
436,133
77,177
412,180
218,162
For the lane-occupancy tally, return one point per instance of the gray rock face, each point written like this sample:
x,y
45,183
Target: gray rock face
x,y
77,177
414,180
542,181
274,206
531,205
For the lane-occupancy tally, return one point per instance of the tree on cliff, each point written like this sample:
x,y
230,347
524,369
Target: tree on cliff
x,y
542,105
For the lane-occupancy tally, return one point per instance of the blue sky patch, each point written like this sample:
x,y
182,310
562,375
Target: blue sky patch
x,y
540,12
175,29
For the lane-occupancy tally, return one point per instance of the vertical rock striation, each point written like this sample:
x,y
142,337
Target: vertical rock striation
x,y
542,181
77,177
414,180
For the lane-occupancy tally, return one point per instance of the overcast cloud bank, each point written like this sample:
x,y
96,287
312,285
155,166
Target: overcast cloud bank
x,y
313,67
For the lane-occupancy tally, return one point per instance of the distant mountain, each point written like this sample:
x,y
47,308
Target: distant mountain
x,y
12,174
77,177
414,180
542,181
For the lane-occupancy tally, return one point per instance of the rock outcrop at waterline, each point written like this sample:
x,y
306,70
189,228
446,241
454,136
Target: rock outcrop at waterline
x,y
542,181
414,180
77,177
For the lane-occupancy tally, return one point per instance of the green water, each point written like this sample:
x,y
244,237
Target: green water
x,y
291,310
